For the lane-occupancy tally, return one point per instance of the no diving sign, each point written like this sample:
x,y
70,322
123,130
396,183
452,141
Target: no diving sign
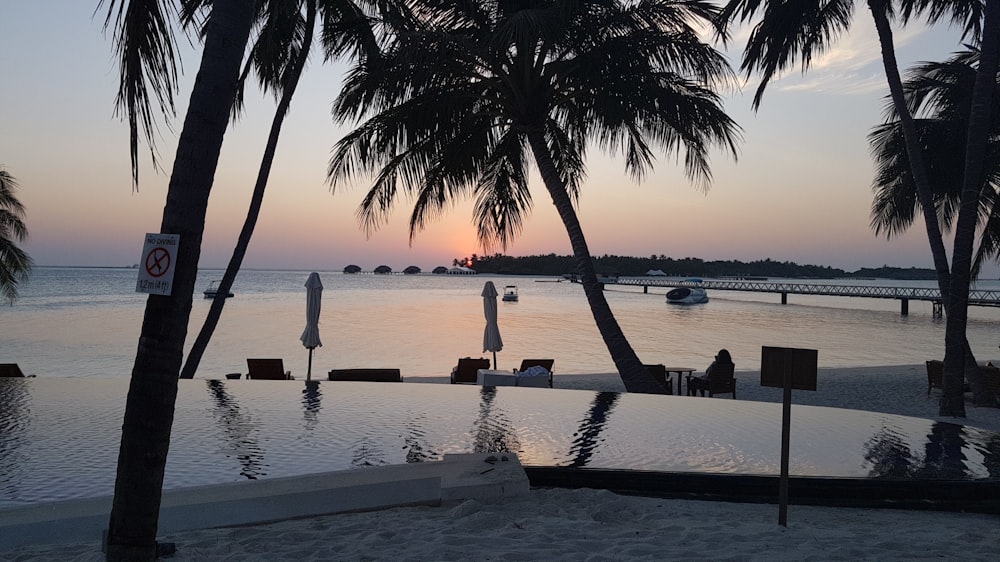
x,y
156,268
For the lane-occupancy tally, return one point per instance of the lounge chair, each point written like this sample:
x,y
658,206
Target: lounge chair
x,y
719,379
544,363
659,372
365,375
467,370
935,374
991,375
267,370
10,370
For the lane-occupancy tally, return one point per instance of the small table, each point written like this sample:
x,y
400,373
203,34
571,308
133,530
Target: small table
x,y
680,371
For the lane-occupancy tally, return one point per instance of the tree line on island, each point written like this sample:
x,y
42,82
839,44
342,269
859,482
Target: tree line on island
x,y
551,264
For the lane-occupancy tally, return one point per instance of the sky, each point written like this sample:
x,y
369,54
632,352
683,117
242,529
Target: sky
x,y
800,189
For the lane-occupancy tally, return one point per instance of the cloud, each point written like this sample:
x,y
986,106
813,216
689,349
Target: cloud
x,y
852,66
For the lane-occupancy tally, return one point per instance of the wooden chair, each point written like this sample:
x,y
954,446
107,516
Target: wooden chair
x,y
467,369
11,370
544,363
267,370
935,374
365,375
659,372
718,379
991,375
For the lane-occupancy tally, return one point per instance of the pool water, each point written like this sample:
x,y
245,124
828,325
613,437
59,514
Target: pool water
x,y
59,438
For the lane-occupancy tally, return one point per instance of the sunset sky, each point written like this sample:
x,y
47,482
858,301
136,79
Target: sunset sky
x,y
800,191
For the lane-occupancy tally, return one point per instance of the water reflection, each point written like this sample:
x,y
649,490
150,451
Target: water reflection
x,y
58,437
15,403
949,452
889,454
414,438
587,438
311,406
241,431
494,433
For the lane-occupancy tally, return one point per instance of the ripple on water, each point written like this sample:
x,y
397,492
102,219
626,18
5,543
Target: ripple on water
x,y
60,437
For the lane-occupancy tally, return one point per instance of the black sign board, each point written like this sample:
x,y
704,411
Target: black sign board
x,y
800,363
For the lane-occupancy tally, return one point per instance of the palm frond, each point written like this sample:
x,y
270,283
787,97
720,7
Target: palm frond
x,y
786,33
145,44
967,14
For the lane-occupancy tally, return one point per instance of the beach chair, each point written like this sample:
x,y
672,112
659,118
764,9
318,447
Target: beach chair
x,y
544,363
659,372
467,369
991,375
720,379
11,370
365,375
935,374
267,370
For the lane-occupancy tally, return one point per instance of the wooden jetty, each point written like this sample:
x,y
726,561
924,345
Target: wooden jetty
x,y
903,294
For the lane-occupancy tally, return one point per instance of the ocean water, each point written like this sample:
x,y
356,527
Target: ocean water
x,y
85,322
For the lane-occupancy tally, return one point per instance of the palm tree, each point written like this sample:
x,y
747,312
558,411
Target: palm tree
x,y
279,56
144,42
942,93
466,89
15,264
788,32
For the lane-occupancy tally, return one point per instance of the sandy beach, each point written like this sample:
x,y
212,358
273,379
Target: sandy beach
x,y
560,524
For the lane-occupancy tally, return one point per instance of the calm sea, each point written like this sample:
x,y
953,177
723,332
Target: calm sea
x,y
84,322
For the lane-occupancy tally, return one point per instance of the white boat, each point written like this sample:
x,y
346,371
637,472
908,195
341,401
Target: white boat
x,y
213,289
687,295
510,293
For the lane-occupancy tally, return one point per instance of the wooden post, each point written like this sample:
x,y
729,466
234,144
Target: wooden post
x,y
786,430
904,307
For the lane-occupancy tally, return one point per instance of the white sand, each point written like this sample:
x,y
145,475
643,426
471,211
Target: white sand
x,y
553,524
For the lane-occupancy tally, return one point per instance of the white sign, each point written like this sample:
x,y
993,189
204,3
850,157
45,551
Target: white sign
x,y
156,268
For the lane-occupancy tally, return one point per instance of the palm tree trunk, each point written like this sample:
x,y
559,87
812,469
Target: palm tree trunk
x,y
633,374
243,242
953,402
149,408
961,366
914,151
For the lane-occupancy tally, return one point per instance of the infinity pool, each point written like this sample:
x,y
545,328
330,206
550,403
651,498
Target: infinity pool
x,y
59,437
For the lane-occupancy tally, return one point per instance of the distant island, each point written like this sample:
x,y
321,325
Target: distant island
x,y
552,264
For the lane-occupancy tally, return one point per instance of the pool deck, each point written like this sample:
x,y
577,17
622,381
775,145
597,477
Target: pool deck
x,y
458,477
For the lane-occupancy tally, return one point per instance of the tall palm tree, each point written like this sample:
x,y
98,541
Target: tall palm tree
x,y
788,32
467,89
940,94
144,43
278,57
15,264
965,228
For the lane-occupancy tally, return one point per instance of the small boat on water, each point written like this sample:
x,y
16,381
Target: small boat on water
x,y
213,289
687,295
510,293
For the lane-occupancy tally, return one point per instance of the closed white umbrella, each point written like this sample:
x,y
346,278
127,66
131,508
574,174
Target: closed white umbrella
x,y
310,336
491,336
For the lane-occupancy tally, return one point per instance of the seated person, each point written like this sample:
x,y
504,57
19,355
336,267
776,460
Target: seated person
x,y
701,383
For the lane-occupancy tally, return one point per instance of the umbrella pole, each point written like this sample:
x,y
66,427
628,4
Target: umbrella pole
x,y
494,361
309,371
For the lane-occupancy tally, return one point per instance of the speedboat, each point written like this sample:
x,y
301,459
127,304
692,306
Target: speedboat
x,y
687,295
510,293
213,289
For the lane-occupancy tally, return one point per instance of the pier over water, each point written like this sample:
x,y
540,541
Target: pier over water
x,y
903,294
